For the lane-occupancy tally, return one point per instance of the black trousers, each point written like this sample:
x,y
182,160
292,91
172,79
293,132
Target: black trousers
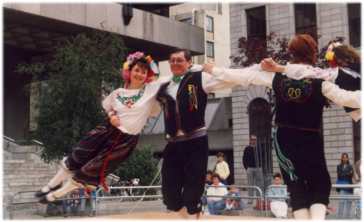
x,y
104,143
183,174
309,181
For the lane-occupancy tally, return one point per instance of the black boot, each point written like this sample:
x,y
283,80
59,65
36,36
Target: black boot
x,y
40,193
43,200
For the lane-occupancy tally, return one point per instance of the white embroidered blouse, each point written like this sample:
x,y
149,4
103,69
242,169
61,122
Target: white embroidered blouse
x,y
133,118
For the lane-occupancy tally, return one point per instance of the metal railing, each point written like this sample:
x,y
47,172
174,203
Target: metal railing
x,y
137,194
259,197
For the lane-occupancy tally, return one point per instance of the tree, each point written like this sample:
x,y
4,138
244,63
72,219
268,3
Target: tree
x,y
253,50
80,70
141,164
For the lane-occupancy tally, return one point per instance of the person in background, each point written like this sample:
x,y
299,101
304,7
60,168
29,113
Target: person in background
x,y
251,165
216,204
277,195
209,177
233,201
222,168
345,174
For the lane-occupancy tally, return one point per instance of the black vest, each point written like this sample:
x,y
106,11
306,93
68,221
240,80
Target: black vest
x,y
299,103
348,82
189,114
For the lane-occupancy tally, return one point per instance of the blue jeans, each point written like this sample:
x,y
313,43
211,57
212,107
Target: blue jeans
x,y
216,207
344,209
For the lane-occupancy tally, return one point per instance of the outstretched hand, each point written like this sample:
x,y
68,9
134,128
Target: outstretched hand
x,y
270,65
207,67
114,120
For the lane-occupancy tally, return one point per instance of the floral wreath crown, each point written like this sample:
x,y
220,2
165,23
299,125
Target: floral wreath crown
x,y
330,54
153,71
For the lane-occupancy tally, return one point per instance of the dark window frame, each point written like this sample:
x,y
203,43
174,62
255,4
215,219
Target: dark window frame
x,y
257,26
212,23
213,49
354,23
301,25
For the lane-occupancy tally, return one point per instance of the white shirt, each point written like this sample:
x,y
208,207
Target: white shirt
x,y
209,84
300,71
216,191
256,76
222,169
133,119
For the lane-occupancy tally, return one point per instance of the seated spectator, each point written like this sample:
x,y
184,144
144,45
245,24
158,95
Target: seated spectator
x,y
208,180
278,204
216,204
233,200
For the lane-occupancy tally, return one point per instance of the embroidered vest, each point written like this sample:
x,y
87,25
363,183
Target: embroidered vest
x,y
187,112
299,103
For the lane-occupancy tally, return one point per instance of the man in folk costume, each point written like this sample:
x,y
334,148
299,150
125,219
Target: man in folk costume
x,y
184,101
297,139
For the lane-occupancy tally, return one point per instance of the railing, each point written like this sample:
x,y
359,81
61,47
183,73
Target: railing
x,y
135,194
8,141
259,197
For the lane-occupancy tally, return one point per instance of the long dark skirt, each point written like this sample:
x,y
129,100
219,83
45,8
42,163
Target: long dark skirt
x,y
99,153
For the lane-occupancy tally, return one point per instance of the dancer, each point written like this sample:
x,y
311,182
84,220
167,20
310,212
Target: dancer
x,y
103,148
344,70
185,156
299,108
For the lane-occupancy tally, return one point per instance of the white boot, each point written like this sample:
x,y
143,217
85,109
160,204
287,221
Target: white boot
x,y
62,174
318,211
301,214
69,186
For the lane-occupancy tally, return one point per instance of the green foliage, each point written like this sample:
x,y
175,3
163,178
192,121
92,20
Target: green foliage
x,y
73,82
140,164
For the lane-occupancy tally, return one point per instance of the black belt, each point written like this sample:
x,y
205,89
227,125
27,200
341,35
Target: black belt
x,y
189,136
299,128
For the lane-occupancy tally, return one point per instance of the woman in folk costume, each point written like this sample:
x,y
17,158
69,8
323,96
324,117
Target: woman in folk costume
x,y
297,137
103,148
344,71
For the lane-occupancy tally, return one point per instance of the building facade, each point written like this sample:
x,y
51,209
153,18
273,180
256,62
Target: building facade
x,y
250,106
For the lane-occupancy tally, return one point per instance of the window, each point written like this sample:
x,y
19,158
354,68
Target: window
x,y
210,49
305,19
209,24
354,24
256,26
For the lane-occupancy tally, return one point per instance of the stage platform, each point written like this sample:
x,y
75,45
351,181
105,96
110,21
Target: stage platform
x,y
173,216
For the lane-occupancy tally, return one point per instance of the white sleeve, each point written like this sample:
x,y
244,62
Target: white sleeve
x,y
107,103
341,97
300,71
211,83
251,75
227,170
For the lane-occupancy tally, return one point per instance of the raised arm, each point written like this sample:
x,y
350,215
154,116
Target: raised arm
x,y
252,75
300,71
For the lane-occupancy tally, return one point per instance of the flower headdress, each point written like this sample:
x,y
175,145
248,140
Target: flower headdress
x,y
330,54
153,71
